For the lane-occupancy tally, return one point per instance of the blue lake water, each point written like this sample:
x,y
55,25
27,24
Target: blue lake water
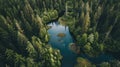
x,y
62,43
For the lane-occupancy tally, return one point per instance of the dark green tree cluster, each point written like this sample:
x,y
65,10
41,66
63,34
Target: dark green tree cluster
x,y
24,37
95,25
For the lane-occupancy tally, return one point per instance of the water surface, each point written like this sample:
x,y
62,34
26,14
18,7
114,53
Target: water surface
x,y
62,43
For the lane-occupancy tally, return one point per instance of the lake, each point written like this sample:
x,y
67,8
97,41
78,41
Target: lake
x,y
62,43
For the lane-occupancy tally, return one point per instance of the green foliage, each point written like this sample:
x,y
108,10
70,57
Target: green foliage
x,y
101,47
105,64
3,34
91,38
115,63
84,38
96,36
82,62
87,47
31,50
95,22
49,15
16,59
24,37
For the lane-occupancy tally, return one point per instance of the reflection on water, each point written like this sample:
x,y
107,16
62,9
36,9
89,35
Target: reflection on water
x,y
62,43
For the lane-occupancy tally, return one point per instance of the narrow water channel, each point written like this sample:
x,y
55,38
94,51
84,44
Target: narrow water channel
x,y
62,43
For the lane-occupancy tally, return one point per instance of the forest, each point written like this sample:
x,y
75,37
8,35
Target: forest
x,y
25,40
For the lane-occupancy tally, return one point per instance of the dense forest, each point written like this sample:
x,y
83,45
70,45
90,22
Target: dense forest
x,y
24,37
